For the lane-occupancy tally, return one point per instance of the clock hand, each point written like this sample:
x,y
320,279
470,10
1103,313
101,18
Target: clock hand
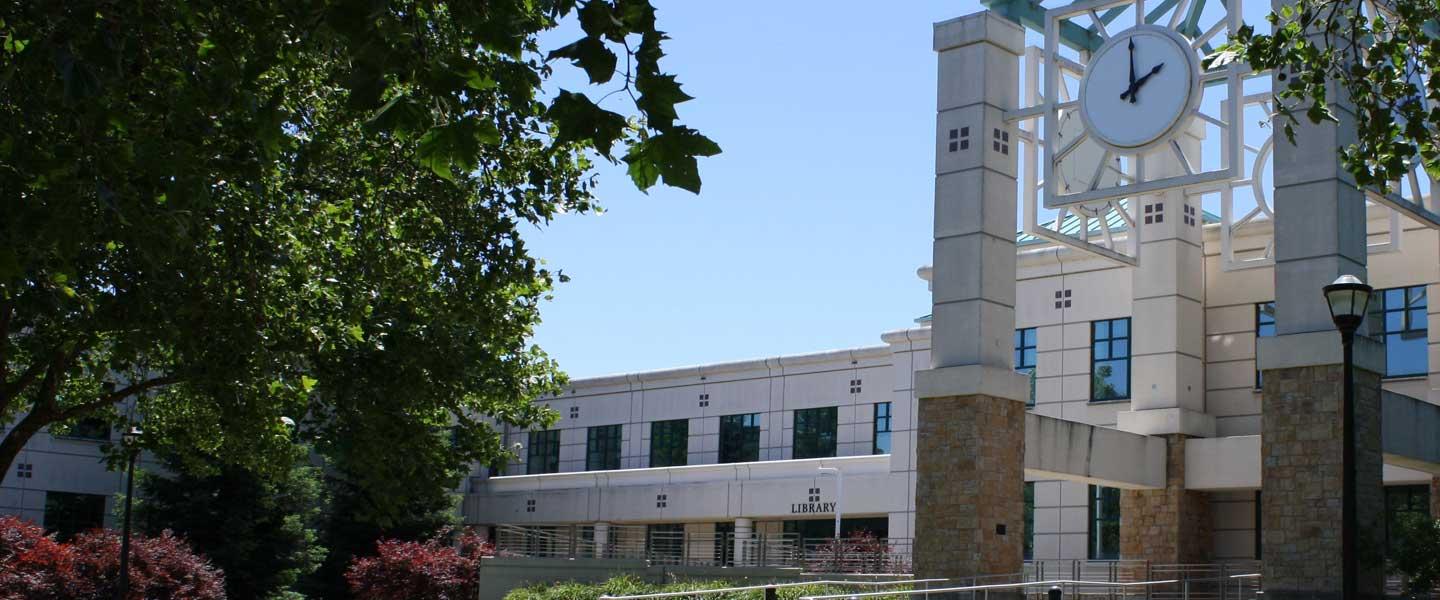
x,y
1132,63
1135,87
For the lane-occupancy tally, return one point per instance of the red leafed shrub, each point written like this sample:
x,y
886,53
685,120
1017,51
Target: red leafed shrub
x,y
32,564
35,566
429,570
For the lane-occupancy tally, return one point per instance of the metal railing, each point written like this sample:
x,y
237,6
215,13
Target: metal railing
x,y
1068,588
867,555
924,583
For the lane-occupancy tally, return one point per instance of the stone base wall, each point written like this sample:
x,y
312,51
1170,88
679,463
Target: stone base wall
x,y
970,484
1171,525
1435,497
1301,449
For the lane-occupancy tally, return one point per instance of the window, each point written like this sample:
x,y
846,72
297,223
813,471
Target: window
x,y
1029,520
669,443
1104,538
543,455
602,448
85,429
1025,357
815,432
1264,327
1398,321
1401,501
882,429
1110,359
67,514
740,438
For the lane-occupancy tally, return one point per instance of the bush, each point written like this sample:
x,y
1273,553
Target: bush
x,y
627,585
34,566
1415,553
429,570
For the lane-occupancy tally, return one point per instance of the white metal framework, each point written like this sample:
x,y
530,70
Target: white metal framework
x,y
1092,190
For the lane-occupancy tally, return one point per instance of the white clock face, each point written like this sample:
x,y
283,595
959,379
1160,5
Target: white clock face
x,y
1139,88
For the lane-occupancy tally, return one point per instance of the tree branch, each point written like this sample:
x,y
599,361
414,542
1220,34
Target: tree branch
x,y
116,396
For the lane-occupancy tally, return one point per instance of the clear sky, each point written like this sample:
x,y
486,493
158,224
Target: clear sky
x,y
810,225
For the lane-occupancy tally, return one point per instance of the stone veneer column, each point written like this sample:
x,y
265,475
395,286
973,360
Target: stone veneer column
x,y
1319,235
969,490
1171,525
1302,479
1435,497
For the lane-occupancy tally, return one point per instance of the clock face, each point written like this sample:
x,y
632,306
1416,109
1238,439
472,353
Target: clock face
x,y
1140,88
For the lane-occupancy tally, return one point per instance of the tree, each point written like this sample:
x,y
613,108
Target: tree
x,y
36,567
1382,57
229,212
347,535
430,570
1415,553
261,531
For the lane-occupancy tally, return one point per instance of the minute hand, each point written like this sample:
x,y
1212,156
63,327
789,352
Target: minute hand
x,y
1135,87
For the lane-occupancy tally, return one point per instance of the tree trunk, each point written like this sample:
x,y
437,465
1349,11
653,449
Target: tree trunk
x,y
16,439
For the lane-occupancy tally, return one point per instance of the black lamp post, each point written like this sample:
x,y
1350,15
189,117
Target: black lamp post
x,y
130,439
1348,298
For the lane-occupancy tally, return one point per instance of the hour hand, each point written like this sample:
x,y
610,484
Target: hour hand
x,y
1135,87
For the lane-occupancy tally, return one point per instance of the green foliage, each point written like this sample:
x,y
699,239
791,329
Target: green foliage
x,y
1384,64
629,585
261,531
1415,553
229,212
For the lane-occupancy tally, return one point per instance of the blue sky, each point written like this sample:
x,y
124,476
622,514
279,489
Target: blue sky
x,y
810,225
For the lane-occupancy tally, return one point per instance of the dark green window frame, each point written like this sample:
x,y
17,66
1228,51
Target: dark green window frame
x,y
602,447
1109,352
543,453
816,432
1103,537
881,440
1264,327
740,438
67,514
1398,320
1026,355
669,443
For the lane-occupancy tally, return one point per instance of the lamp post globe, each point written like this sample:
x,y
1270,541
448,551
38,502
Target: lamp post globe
x,y
1348,298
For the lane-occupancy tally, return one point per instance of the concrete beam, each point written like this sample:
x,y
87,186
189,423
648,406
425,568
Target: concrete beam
x,y
1410,432
1060,449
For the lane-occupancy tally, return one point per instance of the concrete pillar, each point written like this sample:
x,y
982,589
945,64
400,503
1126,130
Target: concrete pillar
x,y
1167,331
969,490
744,547
1167,367
1319,235
1171,525
602,539
1432,310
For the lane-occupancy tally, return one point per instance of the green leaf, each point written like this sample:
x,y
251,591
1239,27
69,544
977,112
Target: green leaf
x,y
205,47
357,333
671,156
658,96
307,382
577,119
401,117
448,148
589,53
